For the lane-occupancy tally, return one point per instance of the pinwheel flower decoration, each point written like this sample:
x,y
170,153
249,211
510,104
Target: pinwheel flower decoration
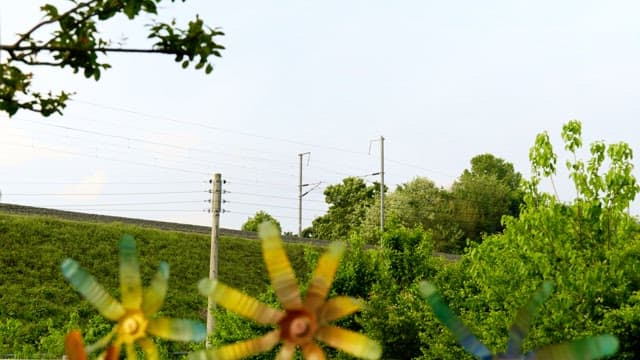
x,y
134,315
301,321
589,348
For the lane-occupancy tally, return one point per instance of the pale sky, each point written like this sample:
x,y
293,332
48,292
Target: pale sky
x,y
442,81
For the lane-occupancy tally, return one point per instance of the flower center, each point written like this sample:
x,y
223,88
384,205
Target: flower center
x,y
298,326
132,327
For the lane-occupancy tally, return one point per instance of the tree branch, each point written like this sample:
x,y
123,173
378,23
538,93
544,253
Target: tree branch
x,y
11,49
27,35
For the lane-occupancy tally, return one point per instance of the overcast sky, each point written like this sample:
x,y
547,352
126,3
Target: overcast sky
x,y
442,81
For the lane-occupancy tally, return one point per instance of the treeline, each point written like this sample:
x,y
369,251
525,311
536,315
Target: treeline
x,y
472,207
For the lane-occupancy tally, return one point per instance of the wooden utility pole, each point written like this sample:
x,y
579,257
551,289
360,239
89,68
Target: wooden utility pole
x,y
300,194
381,185
216,194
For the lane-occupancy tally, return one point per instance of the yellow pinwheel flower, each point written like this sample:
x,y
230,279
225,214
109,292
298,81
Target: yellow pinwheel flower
x,y
301,322
134,314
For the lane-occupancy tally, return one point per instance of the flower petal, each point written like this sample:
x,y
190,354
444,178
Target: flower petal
x,y
312,351
154,295
131,351
113,352
594,347
323,276
150,349
444,314
280,272
73,346
240,349
337,308
287,351
349,341
177,329
239,302
130,284
88,286
520,327
101,343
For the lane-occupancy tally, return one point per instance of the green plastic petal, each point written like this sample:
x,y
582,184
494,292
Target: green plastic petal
x,y
130,284
449,318
590,348
88,286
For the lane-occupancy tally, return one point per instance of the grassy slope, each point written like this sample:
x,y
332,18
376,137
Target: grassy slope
x,y
33,290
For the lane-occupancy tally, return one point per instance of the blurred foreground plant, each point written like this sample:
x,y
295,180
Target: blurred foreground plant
x,y
133,315
301,321
594,347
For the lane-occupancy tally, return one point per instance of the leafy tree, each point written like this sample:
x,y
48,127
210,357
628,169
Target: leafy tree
x,y
261,216
417,203
589,247
348,204
484,193
73,41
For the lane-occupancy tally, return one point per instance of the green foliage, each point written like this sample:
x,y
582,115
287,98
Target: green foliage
x,y
348,203
588,247
74,41
485,193
261,216
417,203
386,278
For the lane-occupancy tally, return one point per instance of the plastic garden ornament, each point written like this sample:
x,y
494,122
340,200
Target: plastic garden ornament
x,y
301,322
589,348
133,315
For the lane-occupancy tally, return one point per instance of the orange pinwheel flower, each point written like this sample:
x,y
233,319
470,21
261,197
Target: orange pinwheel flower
x,y
301,322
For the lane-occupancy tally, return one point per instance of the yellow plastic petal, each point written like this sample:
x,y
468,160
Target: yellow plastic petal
x,y
130,284
240,349
280,271
337,308
323,276
150,349
239,302
131,351
351,342
88,286
287,351
177,329
312,351
154,295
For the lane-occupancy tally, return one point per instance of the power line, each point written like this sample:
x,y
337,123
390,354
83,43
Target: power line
x,y
106,194
156,143
274,215
216,128
107,158
102,182
267,205
131,204
267,196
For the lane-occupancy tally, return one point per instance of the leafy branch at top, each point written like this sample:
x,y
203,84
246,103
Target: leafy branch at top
x,y
74,42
